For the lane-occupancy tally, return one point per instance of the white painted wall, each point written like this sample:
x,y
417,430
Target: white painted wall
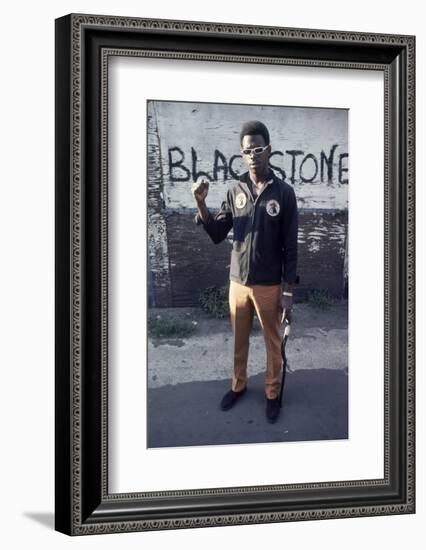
x,y
185,129
26,229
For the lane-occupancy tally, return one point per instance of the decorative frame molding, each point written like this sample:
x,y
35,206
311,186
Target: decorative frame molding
x,y
84,43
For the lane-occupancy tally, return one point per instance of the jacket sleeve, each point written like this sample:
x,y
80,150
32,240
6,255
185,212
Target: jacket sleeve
x,y
218,227
290,226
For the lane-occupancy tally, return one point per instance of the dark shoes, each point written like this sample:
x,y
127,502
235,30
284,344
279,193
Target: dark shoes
x,y
272,405
230,398
272,409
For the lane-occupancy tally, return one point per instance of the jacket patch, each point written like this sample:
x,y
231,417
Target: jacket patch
x,y
273,207
240,200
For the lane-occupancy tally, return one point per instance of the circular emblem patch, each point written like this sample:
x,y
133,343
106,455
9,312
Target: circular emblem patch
x,y
273,208
240,200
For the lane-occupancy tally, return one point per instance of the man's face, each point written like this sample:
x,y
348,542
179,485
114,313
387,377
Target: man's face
x,y
257,163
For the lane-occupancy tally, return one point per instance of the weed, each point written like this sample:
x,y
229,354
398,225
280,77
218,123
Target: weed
x,y
159,327
320,298
214,301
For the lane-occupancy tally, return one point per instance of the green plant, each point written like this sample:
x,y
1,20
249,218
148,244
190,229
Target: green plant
x,y
159,327
214,301
320,298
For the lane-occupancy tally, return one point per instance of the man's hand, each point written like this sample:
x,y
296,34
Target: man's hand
x,y
200,190
287,307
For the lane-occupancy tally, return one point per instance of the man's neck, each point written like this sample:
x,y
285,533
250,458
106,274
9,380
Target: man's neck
x,y
259,179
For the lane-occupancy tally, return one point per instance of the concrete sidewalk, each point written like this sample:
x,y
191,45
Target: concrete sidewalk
x,y
188,377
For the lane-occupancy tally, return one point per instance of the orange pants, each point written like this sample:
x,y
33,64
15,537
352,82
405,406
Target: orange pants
x,y
266,301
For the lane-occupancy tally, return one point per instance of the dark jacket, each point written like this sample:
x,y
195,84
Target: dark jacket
x,y
264,249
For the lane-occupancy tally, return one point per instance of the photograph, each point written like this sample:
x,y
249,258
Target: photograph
x,y
212,237
247,273
234,223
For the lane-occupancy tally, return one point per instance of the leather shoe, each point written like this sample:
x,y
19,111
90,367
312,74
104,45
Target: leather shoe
x,y
272,409
230,398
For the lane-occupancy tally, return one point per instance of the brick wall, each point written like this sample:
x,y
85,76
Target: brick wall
x,y
310,151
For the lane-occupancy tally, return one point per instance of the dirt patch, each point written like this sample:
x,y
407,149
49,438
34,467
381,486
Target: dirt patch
x,y
305,316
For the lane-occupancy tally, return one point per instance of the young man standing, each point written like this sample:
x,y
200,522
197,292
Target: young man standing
x,y
262,211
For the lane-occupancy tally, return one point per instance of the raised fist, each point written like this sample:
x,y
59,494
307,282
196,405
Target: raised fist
x,y
200,189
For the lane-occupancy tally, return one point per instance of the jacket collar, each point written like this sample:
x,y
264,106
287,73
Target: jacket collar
x,y
245,178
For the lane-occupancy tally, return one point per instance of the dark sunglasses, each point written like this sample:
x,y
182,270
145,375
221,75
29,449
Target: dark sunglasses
x,y
255,150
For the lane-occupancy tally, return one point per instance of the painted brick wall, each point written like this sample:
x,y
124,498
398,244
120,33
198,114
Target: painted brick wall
x,y
309,151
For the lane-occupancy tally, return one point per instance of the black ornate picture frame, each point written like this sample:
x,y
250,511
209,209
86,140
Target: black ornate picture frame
x,y
84,43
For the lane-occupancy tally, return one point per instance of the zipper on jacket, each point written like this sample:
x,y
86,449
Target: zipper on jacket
x,y
252,220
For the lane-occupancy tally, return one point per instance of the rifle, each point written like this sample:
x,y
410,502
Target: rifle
x,y
283,355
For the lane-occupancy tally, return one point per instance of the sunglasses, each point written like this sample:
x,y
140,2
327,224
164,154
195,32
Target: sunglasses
x,y
254,151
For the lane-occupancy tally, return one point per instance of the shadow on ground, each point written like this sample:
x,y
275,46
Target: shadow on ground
x,y
315,407
46,519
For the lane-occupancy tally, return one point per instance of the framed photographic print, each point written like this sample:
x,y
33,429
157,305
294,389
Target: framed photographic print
x,y
234,274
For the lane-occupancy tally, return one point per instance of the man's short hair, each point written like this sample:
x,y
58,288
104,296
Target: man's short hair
x,y
253,128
